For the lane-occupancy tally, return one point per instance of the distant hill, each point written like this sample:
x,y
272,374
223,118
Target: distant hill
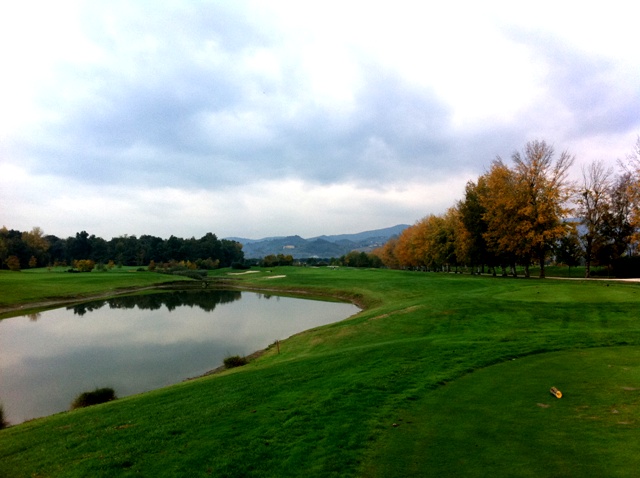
x,y
321,246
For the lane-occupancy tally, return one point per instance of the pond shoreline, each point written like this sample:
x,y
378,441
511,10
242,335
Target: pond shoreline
x,y
103,337
38,306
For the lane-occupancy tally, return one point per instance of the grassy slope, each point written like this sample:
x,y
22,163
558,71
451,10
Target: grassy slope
x,y
325,406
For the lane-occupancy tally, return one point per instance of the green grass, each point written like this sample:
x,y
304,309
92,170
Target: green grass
x,y
38,285
432,353
502,420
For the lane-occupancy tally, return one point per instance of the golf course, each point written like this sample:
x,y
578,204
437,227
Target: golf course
x,y
440,374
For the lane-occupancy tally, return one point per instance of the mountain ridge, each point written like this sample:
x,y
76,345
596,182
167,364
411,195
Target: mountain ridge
x,y
325,246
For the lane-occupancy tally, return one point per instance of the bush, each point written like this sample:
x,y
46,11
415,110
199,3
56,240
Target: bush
x,y
198,275
3,422
626,267
99,395
235,361
13,263
84,265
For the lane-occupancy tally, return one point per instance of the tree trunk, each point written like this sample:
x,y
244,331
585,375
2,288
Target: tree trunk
x,y
587,258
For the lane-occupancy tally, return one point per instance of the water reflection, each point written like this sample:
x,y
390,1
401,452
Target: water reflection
x,y
139,343
207,301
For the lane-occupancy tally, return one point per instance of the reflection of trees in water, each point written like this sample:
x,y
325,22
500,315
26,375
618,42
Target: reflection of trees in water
x,y
206,300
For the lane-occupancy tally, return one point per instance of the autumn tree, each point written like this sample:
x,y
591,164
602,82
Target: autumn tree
x,y
405,250
387,254
525,205
502,206
452,227
37,246
544,189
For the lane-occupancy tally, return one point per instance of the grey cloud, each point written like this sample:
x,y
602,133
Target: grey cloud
x,y
188,112
195,122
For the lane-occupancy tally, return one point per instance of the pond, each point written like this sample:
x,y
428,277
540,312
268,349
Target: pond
x,y
139,343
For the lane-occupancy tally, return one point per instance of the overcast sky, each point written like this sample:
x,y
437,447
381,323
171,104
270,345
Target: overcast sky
x,y
256,119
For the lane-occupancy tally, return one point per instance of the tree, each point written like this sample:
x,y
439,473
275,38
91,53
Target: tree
x,y
387,253
617,223
593,204
634,190
502,215
37,246
405,248
543,183
471,242
525,206
4,244
569,251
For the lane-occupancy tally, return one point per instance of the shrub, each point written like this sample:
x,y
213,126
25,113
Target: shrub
x,y
235,361
208,263
199,275
3,422
99,395
84,265
626,267
13,263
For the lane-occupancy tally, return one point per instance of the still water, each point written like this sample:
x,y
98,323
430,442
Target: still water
x,y
140,343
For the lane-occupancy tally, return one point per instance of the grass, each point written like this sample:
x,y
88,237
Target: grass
x,y
431,353
39,285
502,420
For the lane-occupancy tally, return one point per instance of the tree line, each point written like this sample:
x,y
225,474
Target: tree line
x,y
28,249
529,212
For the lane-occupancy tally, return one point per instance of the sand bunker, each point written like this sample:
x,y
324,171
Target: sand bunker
x,y
241,273
275,277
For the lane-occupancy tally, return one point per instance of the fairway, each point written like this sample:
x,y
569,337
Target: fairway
x,y
439,375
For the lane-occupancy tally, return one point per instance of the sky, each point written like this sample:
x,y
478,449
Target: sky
x,y
255,119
